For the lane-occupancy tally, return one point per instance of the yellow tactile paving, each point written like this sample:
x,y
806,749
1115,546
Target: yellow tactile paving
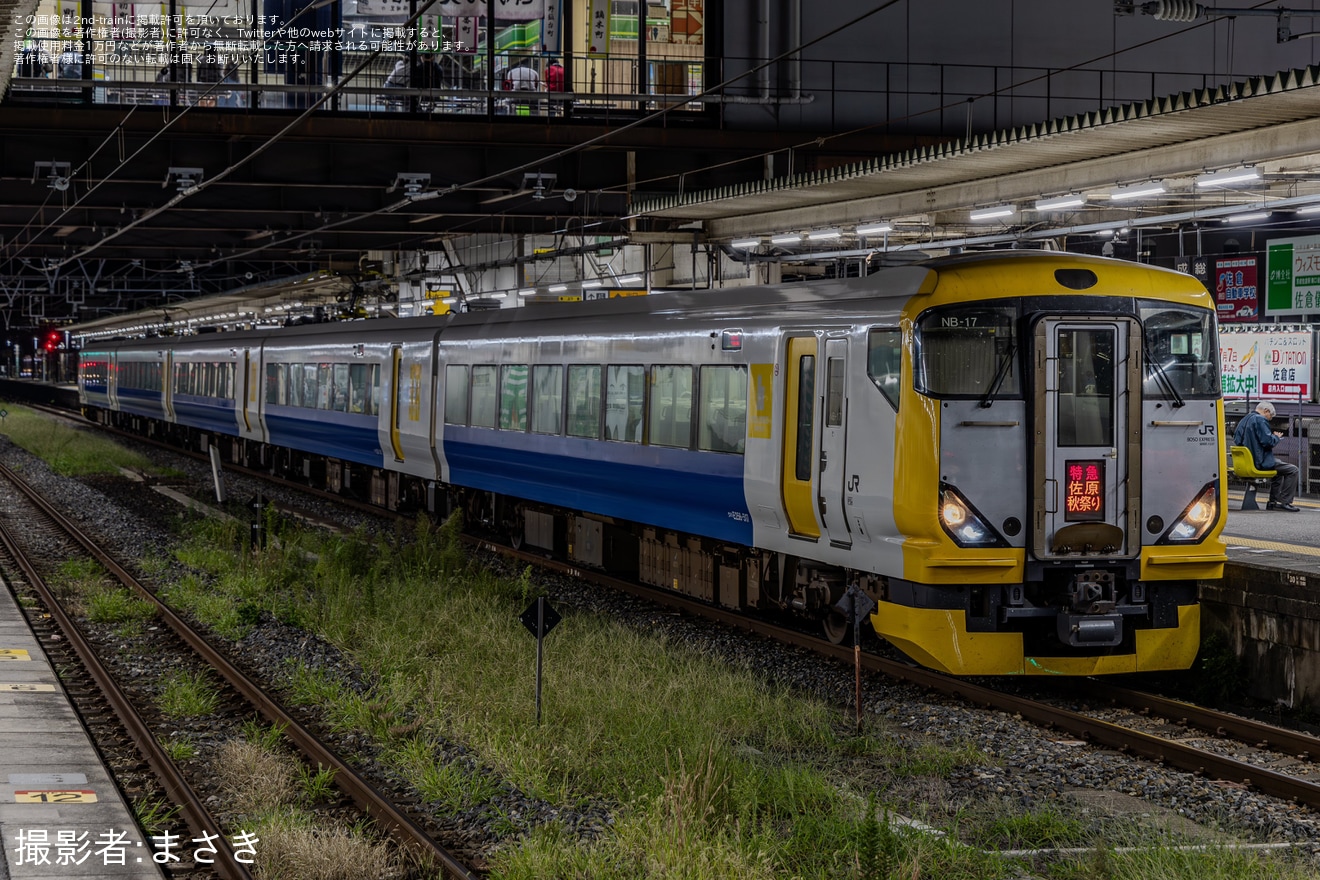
x,y
1271,545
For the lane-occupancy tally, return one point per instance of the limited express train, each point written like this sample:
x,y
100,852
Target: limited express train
x,y
1016,455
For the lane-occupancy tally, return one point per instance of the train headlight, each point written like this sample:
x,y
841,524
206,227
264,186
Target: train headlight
x,y
964,523
1196,519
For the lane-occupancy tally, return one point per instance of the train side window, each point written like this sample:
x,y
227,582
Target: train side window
x,y
806,422
309,386
722,412
485,397
584,401
273,383
547,399
357,388
324,380
884,362
456,394
293,388
834,392
513,397
625,399
339,393
671,407
231,381
373,401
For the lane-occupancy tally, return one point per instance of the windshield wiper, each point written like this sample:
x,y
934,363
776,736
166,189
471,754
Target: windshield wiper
x,y
1166,383
1000,375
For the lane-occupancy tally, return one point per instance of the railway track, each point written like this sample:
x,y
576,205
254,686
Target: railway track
x,y
1295,783
1172,751
45,517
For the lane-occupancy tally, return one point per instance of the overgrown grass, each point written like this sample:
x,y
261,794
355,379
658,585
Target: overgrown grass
x,y
267,787
155,815
67,450
704,772
118,605
186,694
178,750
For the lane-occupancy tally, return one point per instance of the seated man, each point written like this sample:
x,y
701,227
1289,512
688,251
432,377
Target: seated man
x,y
1255,433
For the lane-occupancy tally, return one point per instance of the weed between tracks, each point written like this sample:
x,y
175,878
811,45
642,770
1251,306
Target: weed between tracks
x,y
67,451
691,770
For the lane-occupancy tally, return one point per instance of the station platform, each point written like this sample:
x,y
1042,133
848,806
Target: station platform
x,y
1267,606
61,814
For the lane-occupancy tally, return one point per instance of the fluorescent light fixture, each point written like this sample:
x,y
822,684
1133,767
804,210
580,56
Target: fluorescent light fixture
x,y
1230,176
1105,233
823,235
1137,191
795,238
449,300
530,292
588,285
1247,218
992,213
746,244
631,279
1309,209
500,295
1060,203
558,288
875,229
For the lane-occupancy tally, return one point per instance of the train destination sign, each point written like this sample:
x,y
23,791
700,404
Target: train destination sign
x,y
1084,491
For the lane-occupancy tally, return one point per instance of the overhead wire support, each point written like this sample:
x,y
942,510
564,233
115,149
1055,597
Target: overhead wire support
x,y
1190,10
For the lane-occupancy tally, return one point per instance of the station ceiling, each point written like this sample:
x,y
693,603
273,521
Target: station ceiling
x,y
108,209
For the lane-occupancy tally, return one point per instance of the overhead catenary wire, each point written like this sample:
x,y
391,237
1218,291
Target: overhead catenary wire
x,y
458,187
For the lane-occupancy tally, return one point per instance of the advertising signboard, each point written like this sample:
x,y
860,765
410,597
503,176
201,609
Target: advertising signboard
x,y
1292,286
1236,299
1267,365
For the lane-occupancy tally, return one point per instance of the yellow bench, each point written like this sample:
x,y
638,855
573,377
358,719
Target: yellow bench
x,y
1244,467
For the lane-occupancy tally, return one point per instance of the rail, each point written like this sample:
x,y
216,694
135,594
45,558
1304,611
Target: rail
x,y
1098,732
194,811
362,793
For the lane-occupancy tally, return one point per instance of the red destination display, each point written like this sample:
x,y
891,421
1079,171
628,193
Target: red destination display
x,y
1084,491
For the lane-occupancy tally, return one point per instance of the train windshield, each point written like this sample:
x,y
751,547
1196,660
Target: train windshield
x,y
1182,354
968,351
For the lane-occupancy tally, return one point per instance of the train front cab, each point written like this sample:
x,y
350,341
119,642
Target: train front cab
x,y
1072,496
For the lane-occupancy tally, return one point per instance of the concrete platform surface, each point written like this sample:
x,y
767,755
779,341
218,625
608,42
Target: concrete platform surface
x,y
61,814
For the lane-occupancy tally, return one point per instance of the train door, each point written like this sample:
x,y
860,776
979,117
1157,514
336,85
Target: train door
x,y
1087,455
800,436
832,464
167,384
250,424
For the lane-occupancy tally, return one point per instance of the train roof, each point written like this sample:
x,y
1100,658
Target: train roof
x,y
740,303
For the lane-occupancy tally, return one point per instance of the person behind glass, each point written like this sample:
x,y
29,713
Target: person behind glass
x,y
71,62
554,82
1255,433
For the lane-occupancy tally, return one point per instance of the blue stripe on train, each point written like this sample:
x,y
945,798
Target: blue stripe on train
x,y
140,402
347,436
206,413
700,493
